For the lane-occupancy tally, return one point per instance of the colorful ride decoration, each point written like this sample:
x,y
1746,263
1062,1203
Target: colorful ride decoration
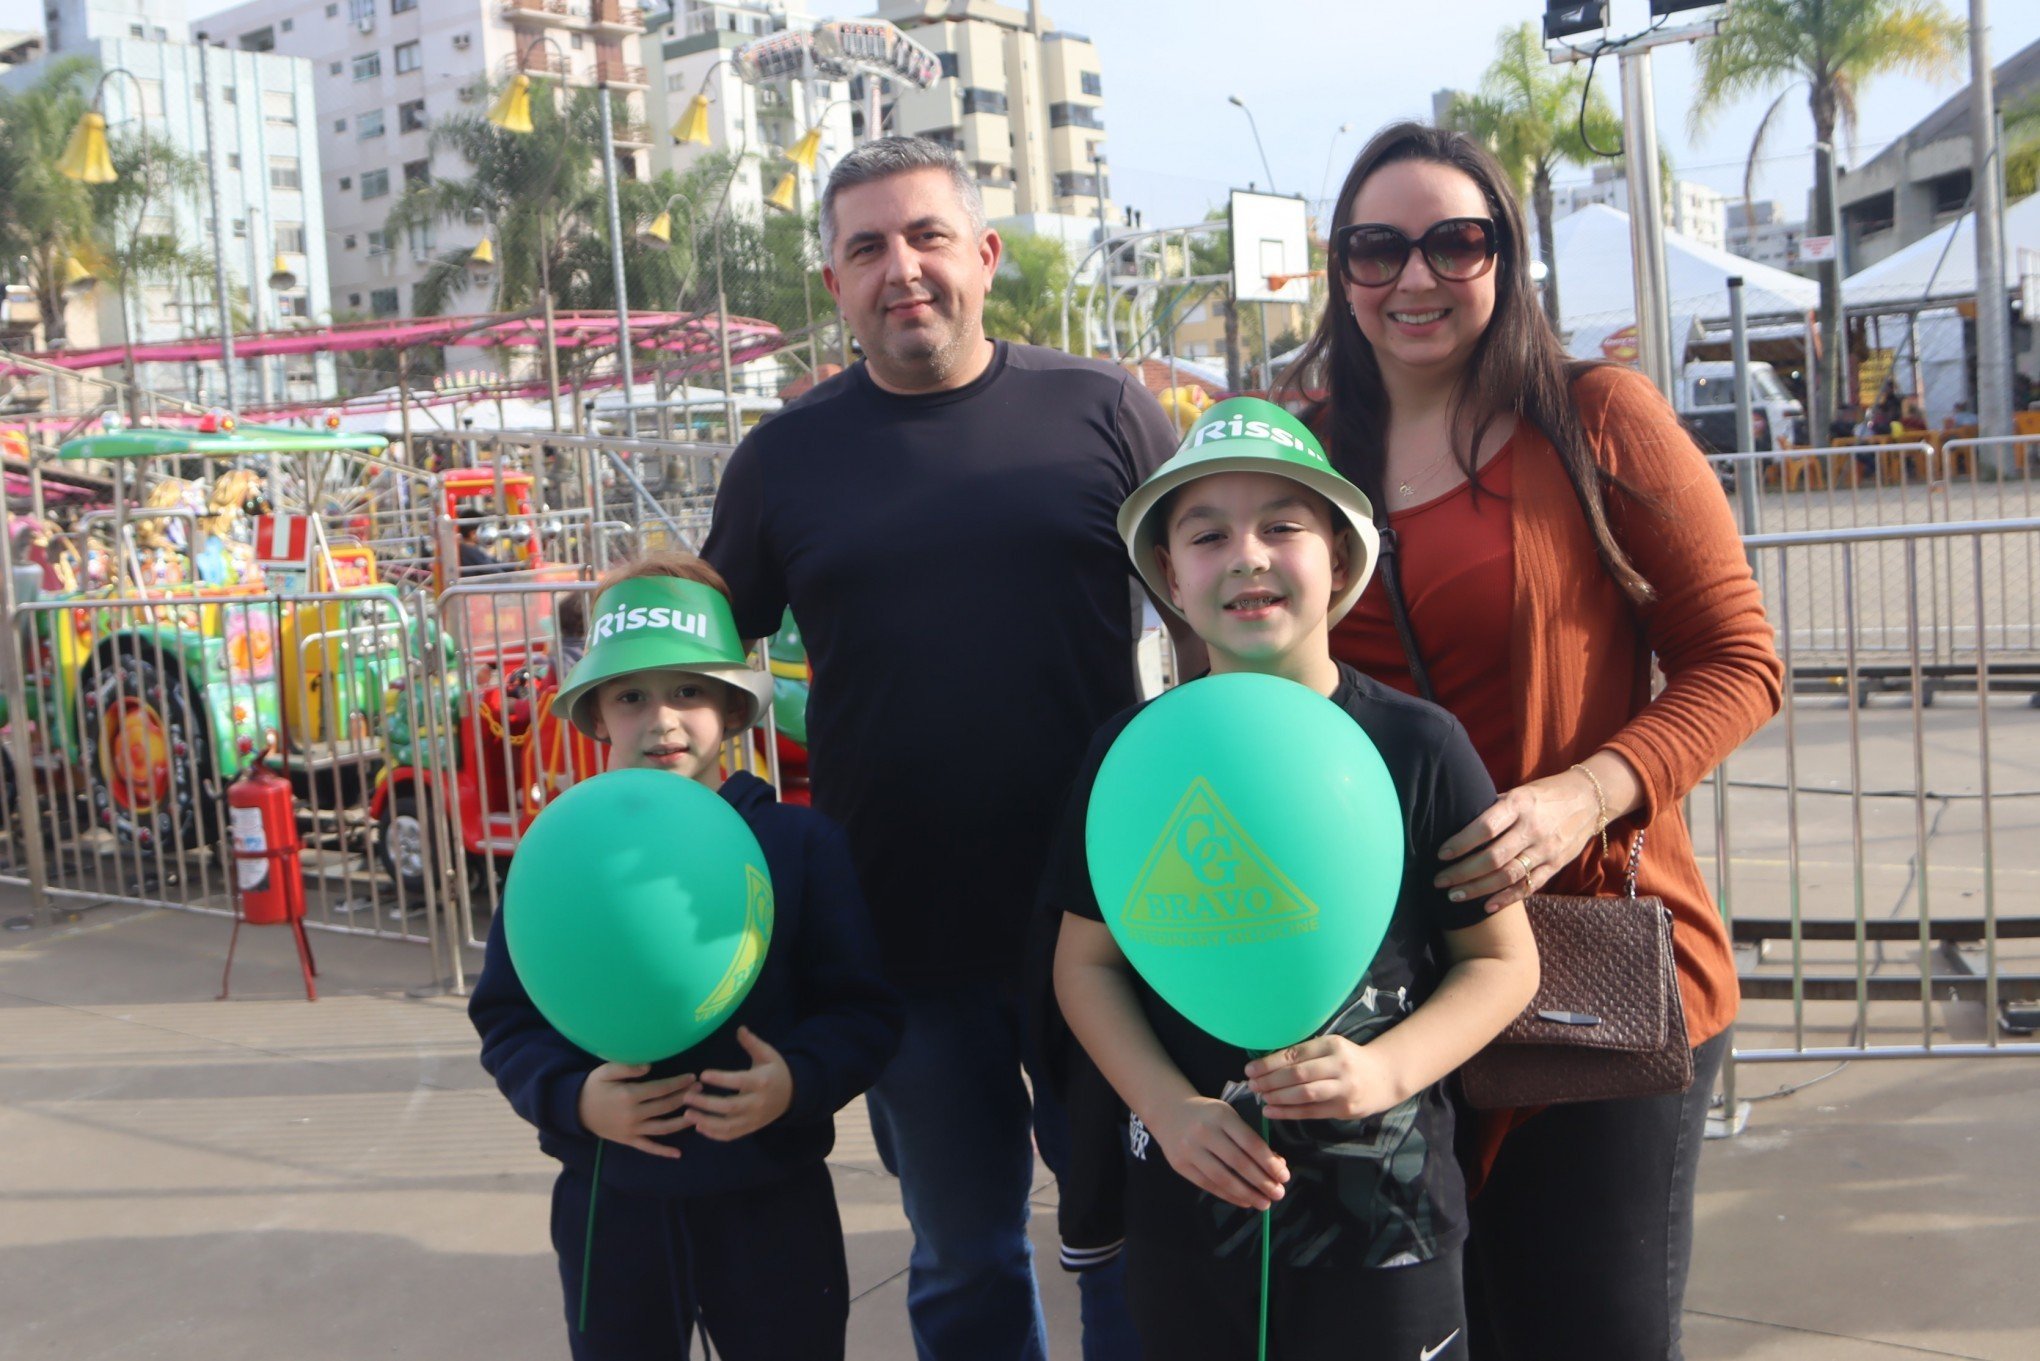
x,y
157,688
491,756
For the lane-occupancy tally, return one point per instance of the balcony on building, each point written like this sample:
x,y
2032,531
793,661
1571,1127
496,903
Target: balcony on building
x,y
547,13
618,74
536,60
984,101
1074,115
613,16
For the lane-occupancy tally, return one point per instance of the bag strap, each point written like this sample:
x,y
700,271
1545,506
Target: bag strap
x,y
1399,610
1391,581
1635,859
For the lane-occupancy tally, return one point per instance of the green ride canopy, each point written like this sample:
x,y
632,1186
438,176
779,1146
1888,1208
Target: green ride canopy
x,y
248,439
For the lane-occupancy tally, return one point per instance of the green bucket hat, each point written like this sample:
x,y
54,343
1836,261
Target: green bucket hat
x,y
660,624
1248,435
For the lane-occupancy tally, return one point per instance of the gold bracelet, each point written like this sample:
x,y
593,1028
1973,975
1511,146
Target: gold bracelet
x,y
1601,804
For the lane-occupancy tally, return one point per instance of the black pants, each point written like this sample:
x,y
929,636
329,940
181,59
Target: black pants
x,y
1190,1306
1584,1232
761,1270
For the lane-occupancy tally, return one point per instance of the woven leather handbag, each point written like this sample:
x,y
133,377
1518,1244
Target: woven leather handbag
x,y
1607,1021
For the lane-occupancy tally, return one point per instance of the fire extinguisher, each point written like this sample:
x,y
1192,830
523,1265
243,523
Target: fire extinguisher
x,y
265,837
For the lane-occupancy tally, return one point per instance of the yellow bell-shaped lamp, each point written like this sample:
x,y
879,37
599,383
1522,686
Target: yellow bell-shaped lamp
x,y
658,233
807,149
78,280
512,109
693,125
280,277
86,156
782,193
483,257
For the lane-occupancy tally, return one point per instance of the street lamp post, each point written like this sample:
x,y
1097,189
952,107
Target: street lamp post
x,y
1267,362
88,159
213,159
512,113
623,364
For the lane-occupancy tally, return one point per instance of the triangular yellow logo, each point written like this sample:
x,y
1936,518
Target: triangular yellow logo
x,y
1206,881
751,943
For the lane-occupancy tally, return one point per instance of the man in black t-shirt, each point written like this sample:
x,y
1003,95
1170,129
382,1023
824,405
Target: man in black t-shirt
x,y
940,518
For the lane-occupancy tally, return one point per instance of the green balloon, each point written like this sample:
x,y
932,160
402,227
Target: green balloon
x,y
638,910
1245,843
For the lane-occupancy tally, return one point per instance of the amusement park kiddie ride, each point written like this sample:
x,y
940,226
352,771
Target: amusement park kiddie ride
x,y
376,645
195,635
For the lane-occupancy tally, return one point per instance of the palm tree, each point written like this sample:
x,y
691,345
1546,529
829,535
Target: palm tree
x,y
49,218
1529,114
1025,302
2022,146
1835,48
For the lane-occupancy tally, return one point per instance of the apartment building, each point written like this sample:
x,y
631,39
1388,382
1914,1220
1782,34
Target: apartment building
x,y
1021,101
690,49
268,168
386,70
1692,210
1760,233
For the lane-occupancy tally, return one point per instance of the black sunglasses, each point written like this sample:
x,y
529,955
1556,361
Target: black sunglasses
x,y
1372,254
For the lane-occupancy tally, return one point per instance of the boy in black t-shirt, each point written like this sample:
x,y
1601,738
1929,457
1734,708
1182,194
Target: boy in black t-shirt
x,y
1260,545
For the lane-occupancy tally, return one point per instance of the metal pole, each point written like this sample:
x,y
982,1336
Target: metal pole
x,y
616,259
1833,368
1098,185
732,418
263,393
404,399
20,753
1748,471
1646,226
1993,324
1267,362
219,222
552,351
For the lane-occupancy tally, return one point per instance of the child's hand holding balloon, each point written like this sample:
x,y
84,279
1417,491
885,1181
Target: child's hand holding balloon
x,y
1326,1078
618,1107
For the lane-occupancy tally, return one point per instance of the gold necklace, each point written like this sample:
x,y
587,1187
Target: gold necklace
x,y
1407,488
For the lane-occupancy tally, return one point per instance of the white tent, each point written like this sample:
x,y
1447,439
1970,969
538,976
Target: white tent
x,y
1940,267
1597,288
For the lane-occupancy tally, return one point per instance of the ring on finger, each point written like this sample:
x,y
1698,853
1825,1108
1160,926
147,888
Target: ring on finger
x,y
1523,861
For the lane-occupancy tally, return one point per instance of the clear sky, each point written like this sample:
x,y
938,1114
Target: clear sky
x,y
1306,67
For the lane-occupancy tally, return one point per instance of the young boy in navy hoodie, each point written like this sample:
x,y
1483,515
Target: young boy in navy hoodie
x,y
716,1207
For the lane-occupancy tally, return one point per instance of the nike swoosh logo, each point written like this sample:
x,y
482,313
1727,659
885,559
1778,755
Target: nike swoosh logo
x,y
1427,1353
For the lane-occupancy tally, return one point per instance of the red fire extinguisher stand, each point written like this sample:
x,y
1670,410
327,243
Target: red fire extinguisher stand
x,y
268,880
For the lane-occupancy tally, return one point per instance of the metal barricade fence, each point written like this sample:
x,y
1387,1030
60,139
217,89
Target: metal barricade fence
x,y
665,487
1886,485
1863,849
1786,491
509,756
134,713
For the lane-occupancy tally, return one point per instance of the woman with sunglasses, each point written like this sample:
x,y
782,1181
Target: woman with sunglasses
x,y
1555,533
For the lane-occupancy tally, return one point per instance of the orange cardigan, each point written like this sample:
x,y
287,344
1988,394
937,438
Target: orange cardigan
x,y
1580,654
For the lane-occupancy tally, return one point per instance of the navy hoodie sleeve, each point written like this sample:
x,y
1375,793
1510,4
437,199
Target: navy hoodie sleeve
x,y
851,1018
537,1068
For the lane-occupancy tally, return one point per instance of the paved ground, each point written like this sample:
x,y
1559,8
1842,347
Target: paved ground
x,y
185,1179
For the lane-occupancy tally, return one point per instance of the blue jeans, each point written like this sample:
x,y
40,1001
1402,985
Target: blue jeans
x,y
951,1118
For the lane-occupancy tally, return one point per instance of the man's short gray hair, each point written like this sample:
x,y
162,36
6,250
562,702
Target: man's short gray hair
x,y
890,156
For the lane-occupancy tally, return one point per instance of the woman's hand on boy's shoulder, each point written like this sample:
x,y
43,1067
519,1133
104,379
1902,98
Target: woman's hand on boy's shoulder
x,y
1211,1147
1326,1078
618,1105
757,1095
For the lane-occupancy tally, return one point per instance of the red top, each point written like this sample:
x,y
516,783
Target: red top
x,y
1458,578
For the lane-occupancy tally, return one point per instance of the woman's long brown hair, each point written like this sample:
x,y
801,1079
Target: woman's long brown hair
x,y
1517,367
